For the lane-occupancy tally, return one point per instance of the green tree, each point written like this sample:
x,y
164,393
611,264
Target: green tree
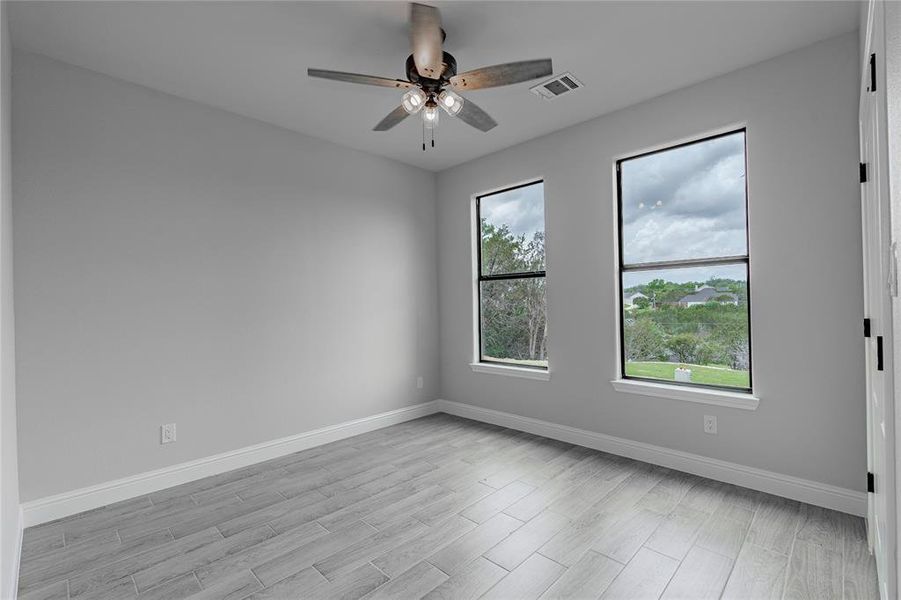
x,y
641,302
655,290
500,250
514,315
644,340
684,346
733,336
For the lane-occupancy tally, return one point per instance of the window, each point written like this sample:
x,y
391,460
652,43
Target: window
x,y
511,276
683,241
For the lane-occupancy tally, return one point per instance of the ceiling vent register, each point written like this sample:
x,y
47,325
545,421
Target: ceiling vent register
x,y
556,87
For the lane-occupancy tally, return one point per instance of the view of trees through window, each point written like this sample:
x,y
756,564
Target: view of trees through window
x,y
512,301
684,264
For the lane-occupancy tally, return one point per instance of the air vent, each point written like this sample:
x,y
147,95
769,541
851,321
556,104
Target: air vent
x,y
556,87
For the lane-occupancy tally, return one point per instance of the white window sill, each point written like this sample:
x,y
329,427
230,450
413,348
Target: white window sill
x,y
687,394
511,371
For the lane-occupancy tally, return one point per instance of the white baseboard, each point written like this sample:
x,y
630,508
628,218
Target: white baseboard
x,y
12,586
804,490
66,504
55,507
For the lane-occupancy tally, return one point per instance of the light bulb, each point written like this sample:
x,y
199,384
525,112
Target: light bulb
x,y
450,102
430,116
413,101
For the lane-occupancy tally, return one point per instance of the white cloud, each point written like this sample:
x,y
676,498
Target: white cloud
x,y
685,203
521,209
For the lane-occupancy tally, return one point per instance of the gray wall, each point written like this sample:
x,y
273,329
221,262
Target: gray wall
x,y
9,474
178,263
801,114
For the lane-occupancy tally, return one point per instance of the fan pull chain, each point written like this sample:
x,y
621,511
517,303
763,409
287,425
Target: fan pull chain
x,y
423,137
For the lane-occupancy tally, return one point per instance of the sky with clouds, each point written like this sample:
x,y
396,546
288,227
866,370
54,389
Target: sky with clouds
x,y
683,203
521,209
686,203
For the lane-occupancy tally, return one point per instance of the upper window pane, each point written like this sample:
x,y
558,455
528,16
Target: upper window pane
x,y
512,230
685,203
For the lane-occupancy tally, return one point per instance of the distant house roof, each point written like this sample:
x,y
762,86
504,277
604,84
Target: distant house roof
x,y
706,294
630,295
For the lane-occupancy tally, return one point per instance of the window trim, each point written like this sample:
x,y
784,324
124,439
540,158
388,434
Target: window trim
x,y
479,364
509,370
662,387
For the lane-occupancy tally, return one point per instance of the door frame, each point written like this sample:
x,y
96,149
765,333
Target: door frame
x,y
880,301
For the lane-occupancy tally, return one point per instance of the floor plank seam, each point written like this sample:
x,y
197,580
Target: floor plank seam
x,y
380,571
788,564
587,550
740,547
491,561
437,567
254,575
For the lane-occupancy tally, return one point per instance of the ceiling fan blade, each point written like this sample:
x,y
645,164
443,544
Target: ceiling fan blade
x,y
505,74
471,114
357,78
426,38
391,119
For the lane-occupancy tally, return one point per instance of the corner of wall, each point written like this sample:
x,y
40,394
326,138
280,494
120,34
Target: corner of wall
x,y
11,517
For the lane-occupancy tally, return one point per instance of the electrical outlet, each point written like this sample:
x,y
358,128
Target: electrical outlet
x,y
710,424
419,383
167,433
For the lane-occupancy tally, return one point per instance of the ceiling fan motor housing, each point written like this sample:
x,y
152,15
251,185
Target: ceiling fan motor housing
x,y
449,64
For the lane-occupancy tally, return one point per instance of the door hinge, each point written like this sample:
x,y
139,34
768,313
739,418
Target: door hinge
x,y
872,87
871,483
866,328
878,352
863,172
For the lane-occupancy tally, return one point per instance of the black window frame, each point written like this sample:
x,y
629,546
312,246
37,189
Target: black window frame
x,y
744,259
502,277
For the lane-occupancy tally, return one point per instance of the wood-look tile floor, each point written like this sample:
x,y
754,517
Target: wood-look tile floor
x,y
442,507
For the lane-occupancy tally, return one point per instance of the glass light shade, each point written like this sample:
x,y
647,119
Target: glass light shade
x,y
450,102
430,117
413,101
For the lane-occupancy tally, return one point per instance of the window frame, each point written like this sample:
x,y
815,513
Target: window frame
x,y
506,366
622,267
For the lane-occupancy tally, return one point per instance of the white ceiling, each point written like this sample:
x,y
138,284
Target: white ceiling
x,y
251,57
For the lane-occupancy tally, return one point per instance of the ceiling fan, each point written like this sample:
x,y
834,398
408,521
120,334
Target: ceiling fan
x,y
433,81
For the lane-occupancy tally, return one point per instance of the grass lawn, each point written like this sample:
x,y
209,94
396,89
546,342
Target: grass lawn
x,y
699,374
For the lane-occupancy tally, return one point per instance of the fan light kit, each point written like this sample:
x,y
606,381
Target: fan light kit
x,y
432,79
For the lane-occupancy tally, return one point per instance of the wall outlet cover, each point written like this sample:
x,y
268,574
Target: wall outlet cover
x,y
710,424
167,433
